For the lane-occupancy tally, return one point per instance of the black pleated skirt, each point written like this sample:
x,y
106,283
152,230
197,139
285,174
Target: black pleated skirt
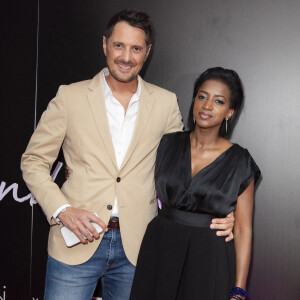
x,y
179,262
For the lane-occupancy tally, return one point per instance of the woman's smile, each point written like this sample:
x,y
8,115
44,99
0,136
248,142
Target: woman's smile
x,y
204,116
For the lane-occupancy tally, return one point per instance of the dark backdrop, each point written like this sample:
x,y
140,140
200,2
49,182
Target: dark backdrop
x,y
259,39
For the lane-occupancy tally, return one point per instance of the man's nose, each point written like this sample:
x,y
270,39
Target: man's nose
x,y
126,55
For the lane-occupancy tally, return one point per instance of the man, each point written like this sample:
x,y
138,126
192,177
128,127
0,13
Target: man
x,y
109,128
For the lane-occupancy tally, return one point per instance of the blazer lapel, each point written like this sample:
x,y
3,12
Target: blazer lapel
x,y
144,113
97,103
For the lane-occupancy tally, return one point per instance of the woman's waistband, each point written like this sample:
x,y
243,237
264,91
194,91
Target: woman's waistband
x,y
186,217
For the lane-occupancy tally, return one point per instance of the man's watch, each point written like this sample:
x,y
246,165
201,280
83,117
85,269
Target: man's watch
x,y
57,220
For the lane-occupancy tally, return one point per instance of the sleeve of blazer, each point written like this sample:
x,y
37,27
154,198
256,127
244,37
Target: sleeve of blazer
x,y
175,119
42,151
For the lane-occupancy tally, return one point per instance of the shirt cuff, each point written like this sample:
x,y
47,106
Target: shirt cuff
x,y
59,210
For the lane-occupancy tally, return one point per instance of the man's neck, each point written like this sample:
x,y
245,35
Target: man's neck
x,y
122,91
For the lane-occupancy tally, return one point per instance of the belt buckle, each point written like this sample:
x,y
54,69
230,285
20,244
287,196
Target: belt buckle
x,y
114,219
113,223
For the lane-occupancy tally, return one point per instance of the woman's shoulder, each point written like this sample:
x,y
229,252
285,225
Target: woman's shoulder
x,y
241,150
245,159
240,154
175,135
172,139
246,166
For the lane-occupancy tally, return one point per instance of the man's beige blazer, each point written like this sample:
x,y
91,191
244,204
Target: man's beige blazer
x,y
76,119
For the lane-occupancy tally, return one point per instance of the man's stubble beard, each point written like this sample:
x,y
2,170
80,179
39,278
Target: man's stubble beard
x,y
118,78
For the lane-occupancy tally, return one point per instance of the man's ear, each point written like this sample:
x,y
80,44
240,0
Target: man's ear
x,y
148,51
104,45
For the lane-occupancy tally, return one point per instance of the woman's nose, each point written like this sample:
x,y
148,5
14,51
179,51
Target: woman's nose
x,y
207,104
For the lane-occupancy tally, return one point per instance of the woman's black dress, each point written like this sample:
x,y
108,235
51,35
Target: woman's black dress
x,y
180,256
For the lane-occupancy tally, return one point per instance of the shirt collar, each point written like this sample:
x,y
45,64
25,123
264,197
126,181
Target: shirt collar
x,y
107,91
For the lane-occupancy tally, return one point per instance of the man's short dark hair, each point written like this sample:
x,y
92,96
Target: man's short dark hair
x,y
134,18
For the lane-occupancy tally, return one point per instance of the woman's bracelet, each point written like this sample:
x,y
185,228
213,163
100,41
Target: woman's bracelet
x,y
236,292
236,297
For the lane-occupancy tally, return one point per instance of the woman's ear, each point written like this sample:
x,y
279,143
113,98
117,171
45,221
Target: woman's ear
x,y
230,113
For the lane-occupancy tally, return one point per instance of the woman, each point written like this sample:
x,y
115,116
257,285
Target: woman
x,y
200,175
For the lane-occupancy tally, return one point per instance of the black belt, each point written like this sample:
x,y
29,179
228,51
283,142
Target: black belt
x,y
186,217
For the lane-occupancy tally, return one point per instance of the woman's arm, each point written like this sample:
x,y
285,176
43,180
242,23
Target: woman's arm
x,y
243,235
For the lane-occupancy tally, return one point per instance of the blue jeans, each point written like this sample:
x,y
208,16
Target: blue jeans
x,y
66,282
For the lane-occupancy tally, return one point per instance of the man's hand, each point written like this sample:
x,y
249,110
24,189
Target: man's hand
x,y
79,220
226,224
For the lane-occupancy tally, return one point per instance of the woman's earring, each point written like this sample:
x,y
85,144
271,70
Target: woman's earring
x,y
226,125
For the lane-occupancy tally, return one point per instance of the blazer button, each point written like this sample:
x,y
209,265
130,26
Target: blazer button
x,y
109,207
118,179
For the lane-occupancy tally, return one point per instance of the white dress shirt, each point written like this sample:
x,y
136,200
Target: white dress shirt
x,y
121,127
